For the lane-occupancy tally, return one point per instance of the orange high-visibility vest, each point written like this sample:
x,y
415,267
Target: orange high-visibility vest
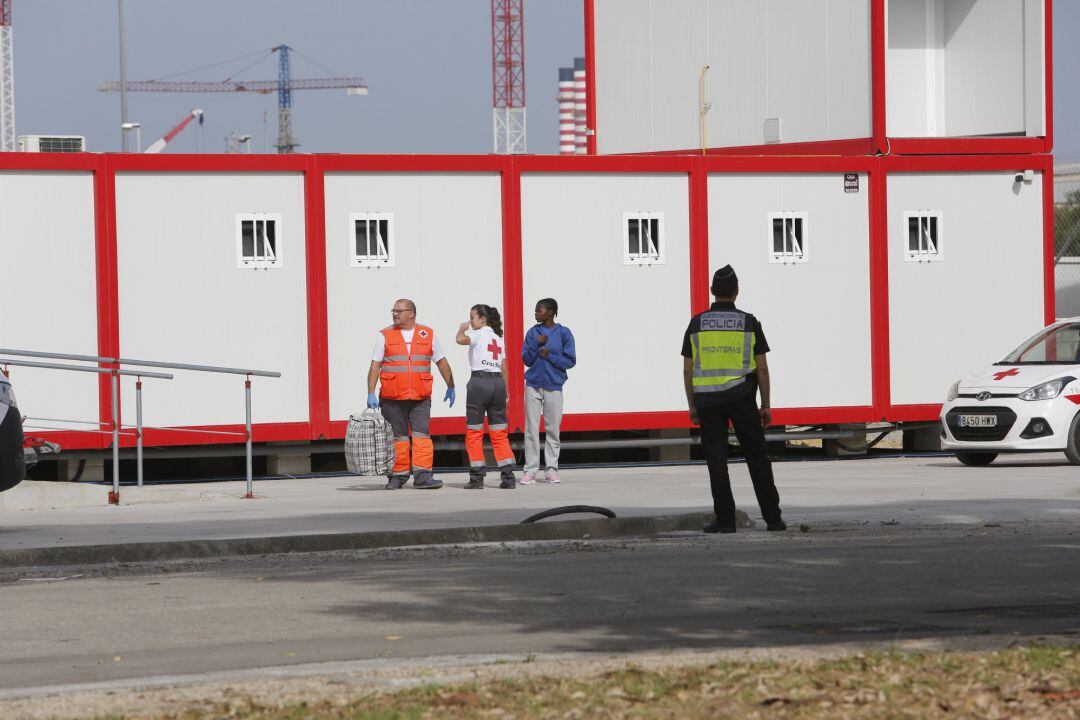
x,y
407,375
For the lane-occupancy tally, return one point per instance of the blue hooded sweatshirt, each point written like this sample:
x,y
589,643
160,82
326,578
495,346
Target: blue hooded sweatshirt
x,y
548,373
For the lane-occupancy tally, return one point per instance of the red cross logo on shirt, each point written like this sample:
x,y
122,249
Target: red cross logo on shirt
x,y
495,350
1006,373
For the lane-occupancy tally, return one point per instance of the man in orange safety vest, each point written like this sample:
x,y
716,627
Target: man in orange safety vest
x,y
401,362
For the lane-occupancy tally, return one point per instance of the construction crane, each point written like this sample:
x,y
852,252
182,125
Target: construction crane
x,y
7,81
159,144
284,86
508,75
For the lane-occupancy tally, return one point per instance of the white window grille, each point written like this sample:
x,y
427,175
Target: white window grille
x,y
643,238
923,236
371,240
258,240
788,237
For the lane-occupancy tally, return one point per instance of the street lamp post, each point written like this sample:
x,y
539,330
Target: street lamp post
x,y
123,81
137,127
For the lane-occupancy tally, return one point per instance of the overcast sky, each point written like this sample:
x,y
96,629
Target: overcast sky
x,y
427,62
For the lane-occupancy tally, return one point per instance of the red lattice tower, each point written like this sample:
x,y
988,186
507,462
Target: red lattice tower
x,y
508,74
7,80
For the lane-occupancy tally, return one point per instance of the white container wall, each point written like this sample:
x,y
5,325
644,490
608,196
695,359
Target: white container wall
x,y
628,320
815,310
183,297
48,291
984,296
803,63
447,233
957,68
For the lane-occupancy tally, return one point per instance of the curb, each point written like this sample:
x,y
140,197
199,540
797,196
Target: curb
x,y
197,549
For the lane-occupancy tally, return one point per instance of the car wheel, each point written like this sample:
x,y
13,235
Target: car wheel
x,y
975,459
1072,448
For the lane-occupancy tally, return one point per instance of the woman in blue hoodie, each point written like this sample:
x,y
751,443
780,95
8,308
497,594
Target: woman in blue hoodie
x,y
548,352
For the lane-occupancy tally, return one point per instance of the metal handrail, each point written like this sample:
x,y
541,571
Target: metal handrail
x,y
114,380
189,430
115,373
199,368
83,368
140,363
63,420
74,430
56,356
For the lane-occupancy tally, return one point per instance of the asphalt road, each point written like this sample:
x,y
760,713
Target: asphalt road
x,y
869,582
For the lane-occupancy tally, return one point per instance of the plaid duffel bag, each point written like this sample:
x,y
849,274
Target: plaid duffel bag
x,y
369,444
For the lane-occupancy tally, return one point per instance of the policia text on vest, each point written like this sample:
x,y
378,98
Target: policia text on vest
x,y
724,366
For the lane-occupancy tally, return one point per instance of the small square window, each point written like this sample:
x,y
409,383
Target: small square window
x,y
371,240
258,240
643,238
788,237
923,236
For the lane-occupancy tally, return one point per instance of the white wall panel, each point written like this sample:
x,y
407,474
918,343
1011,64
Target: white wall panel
x,y
984,67
628,321
907,63
623,84
850,108
805,61
448,231
1034,68
48,290
948,318
816,315
678,40
965,67
738,83
183,299
797,54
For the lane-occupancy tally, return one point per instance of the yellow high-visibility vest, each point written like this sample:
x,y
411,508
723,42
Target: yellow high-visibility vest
x,y
723,351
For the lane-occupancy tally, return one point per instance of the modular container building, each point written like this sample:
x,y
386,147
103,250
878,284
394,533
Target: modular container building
x,y
879,280
847,76
876,170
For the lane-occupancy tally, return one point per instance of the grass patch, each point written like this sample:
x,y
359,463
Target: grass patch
x,y
1028,682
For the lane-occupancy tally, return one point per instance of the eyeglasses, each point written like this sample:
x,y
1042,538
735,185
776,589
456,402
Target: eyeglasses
x,y
395,311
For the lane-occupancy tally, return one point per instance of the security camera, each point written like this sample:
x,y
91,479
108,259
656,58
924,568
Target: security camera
x,y
1024,176
1019,177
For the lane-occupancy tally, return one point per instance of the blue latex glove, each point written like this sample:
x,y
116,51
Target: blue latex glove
x,y
373,401
451,396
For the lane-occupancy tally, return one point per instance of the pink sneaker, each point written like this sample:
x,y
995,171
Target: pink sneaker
x,y
552,475
528,479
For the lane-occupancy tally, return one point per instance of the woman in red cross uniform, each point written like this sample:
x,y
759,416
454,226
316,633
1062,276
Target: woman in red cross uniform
x,y
486,395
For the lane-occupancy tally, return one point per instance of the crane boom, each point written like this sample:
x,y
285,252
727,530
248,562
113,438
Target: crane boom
x,y
355,85
160,143
283,86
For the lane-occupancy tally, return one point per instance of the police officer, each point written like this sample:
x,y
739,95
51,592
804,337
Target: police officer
x,y
724,365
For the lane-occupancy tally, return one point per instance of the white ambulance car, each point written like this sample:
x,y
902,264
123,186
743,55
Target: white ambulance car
x,y
1027,402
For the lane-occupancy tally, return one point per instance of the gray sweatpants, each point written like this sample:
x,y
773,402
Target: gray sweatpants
x,y
548,403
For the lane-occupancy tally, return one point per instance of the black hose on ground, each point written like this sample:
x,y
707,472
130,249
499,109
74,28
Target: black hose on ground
x,y
567,510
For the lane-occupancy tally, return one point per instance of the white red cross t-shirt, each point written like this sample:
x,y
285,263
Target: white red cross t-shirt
x,y
486,350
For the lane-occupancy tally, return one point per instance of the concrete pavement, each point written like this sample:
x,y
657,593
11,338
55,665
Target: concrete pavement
x,y
924,490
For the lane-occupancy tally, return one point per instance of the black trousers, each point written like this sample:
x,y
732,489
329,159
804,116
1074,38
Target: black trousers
x,y
743,415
